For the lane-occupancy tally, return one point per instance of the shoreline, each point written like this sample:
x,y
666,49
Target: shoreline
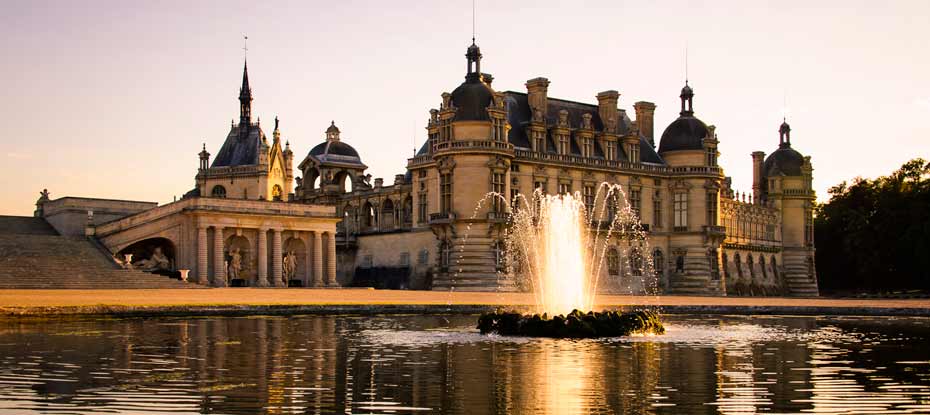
x,y
30,304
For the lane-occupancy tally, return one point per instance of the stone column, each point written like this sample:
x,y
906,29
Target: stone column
x,y
203,278
331,263
308,266
317,259
219,258
276,258
262,280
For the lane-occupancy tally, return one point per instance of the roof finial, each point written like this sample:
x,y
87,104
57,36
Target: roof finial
x,y
686,63
245,46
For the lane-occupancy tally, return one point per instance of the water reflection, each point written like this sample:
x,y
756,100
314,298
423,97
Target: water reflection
x,y
416,364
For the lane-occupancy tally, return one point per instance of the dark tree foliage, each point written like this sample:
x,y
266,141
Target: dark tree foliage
x,y
874,235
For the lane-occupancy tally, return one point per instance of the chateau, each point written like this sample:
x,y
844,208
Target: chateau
x,y
250,221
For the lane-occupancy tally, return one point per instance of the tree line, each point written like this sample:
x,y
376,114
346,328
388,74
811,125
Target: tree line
x,y
873,235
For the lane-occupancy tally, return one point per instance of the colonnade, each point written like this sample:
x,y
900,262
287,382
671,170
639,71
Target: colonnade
x,y
319,246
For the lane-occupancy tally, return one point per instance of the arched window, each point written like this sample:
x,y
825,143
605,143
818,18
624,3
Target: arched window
x,y
750,264
387,214
277,193
762,267
367,215
726,268
218,191
774,265
445,255
613,262
636,261
739,265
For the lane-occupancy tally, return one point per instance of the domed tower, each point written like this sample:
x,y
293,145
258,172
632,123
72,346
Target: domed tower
x,y
785,181
330,169
467,156
689,146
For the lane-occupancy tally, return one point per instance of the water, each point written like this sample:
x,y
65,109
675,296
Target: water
x,y
440,364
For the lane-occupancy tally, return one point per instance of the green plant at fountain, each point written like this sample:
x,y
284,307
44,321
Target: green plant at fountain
x,y
576,325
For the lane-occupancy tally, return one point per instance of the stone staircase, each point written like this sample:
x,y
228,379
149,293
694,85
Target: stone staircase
x,y
797,275
34,256
696,278
472,267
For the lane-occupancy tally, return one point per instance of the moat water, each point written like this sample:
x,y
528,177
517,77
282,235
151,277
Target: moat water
x,y
440,364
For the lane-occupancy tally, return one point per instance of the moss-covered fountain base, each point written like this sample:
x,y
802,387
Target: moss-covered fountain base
x,y
576,325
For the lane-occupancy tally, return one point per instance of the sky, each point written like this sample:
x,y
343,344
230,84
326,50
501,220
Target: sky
x,y
113,99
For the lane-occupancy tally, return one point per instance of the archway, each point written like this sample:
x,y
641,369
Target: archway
x,y
241,264
340,180
156,255
367,216
312,179
387,214
294,262
218,191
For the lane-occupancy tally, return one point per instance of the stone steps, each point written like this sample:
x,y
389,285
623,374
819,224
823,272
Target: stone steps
x,y
25,225
44,261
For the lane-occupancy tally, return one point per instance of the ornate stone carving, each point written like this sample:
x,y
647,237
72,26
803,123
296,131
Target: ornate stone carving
x,y
235,264
538,115
586,121
563,119
157,262
289,266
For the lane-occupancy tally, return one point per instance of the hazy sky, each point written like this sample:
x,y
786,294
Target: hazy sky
x,y
113,99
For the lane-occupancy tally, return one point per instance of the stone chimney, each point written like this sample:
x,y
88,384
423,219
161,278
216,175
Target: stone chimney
x,y
607,108
537,90
757,158
399,179
645,112
379,182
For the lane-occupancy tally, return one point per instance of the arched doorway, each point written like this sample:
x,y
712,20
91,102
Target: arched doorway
x,y
156,255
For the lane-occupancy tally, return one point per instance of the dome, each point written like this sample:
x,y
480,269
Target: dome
x,y
685,133
332,128
336,148
785,161
471,99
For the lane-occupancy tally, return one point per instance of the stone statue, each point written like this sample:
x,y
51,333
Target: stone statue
x,y
586,121
290,266
157,262
563,118
235,264
538,115
43,195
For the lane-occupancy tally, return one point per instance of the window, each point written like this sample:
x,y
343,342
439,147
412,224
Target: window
x,y
611,206
422,174
587,147
564,145
423,258
636,261
540,184
497,186
681,211
515,167
276,193
635,201
565,188
770,232
658,262
657,209
714,264
514,199
634,153
445,192
712,208
445,255
499,256
541,143
218,191
711,156
405,259
589,198
422,207
611,150
613,262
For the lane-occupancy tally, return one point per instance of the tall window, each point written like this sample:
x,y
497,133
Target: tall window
x,y
658,262
564,145
681,211
422,207
657,209
611,150
770,232
636,201
613,262
611,206
445,192
589,198
445,255
541,185
587,147
497,186
711,156
712,208
541,143
565,188
218,191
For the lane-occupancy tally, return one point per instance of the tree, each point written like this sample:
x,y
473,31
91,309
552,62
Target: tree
x,y
874,235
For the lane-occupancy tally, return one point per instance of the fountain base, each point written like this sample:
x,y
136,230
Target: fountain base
x,y
576,325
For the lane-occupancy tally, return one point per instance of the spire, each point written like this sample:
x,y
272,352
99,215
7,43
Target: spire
x,y
784,134
245,97
687,94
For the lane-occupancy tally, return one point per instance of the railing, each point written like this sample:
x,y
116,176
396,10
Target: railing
x,y
715,230
421,159
499,216
442,217
473,144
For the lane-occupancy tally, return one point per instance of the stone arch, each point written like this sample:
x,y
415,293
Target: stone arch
x,y
144,250
348,224
340,180
218,191
387,214
367,216
248,262
312,179
295,246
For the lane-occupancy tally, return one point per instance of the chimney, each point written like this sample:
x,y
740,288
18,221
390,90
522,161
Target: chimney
x,y
644,120
537,94
757,158
607,108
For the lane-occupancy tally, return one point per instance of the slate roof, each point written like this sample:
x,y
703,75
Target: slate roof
x,y
241,148
685,133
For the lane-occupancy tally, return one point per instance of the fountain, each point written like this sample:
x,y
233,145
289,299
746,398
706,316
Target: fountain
x,y
557,246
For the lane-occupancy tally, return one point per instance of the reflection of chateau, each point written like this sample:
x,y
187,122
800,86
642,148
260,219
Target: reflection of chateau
x,y
337,223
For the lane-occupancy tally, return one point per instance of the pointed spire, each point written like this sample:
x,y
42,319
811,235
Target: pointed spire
x,y
245,97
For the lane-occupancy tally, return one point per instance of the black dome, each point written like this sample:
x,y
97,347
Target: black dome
x,y
337,148
685,133
784,161
472,99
